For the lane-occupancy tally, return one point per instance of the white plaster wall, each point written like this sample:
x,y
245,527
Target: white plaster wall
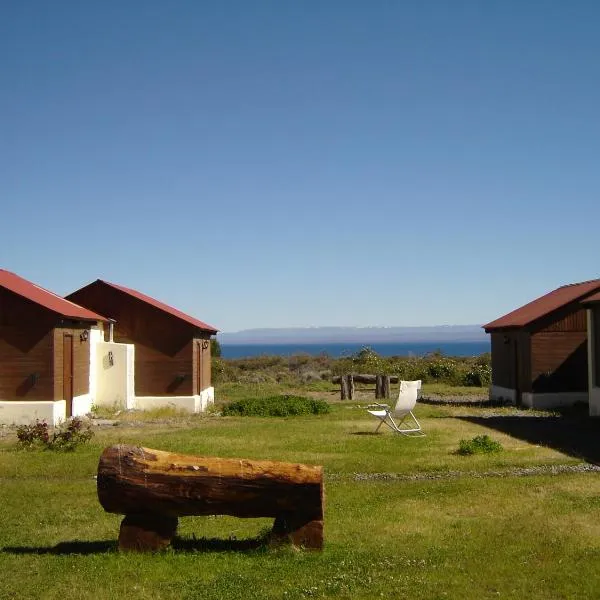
x,y
207,396
549,401
115,382
185,403
594,402
25,412
191,404
82,405
96,336
498,393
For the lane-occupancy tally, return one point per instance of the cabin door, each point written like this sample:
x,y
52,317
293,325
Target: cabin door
x,y
68,372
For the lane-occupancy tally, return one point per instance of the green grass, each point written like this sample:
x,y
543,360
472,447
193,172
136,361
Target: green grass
x,y
404,517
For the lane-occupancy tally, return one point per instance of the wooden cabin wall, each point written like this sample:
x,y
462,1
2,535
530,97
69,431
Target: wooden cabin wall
x,y
26,349
596,325
81,360
202,364
559,353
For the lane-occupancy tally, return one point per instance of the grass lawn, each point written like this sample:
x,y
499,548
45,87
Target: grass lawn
x,y
404,517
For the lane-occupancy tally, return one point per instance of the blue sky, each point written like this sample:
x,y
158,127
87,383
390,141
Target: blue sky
x,y
272,164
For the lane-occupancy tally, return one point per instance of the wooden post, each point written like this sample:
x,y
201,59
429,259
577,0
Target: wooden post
x,y
385,386
344,391
347,387
153,488
378,387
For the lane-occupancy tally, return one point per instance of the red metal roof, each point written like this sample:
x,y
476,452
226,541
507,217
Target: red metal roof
x,y
544,305
45,298
593,298
161,306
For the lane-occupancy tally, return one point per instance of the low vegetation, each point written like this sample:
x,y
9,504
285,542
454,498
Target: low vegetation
x,y
67,436
480,444
304,368
276,406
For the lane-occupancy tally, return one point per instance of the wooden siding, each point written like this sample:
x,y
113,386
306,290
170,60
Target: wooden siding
x,y
559,361
158,374
26,349
164,345
567,320
81,361
596,325
511,359
202,364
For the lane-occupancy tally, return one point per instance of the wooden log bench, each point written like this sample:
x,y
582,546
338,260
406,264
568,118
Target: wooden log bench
x,y
153,489
347,388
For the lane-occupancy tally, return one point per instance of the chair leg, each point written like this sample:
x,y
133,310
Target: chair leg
x,y
415,431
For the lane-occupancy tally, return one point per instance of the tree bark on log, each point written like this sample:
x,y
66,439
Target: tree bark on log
x,y
363,378
347,387
153,488
385,386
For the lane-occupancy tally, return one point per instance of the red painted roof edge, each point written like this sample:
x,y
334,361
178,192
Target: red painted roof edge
x,y
45,298
544,305
161,306
592,299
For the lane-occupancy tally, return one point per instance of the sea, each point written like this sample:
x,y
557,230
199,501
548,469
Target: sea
x,y
341,349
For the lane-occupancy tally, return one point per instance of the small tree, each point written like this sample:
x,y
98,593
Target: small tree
x,y
215,348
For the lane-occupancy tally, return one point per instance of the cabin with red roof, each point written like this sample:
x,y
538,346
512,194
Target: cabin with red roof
x,y
540,350
171,350
46,353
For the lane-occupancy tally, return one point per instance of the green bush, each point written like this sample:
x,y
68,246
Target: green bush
x,y
276,406
480,444
67,436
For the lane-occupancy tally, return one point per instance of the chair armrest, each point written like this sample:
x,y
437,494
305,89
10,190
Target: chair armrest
x,y
387,406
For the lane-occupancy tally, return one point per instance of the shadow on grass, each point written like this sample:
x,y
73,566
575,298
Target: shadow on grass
x,y
75,547
570,434
367,433
179,545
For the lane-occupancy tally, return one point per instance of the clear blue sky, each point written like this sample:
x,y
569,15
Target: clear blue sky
x,y
271,164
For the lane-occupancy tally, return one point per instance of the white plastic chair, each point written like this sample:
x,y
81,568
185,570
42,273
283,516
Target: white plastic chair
x,y
407,423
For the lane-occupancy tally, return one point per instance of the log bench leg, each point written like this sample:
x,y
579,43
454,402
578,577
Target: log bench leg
x,y
146,533
300,530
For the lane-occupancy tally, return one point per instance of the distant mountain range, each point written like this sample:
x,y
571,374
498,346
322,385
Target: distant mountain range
x,y
356,335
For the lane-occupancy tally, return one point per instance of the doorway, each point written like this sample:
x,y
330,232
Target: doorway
x,y
68,372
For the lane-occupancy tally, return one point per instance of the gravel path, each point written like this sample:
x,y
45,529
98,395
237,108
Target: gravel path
x,y
447,475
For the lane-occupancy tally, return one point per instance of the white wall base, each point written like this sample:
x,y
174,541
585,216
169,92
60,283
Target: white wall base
x,y
191,404
549,401
594,399
26,412
82,405
206,397
502,394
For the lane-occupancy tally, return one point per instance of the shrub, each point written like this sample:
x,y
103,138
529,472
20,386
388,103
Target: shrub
x,y
70,434
33,435
67,436
276,406
480,444
479,376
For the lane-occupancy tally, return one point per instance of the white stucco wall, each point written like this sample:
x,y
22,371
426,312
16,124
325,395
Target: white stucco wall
x,y
549,401
498,393
115,378
96,337
191,404
25,412
82,405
